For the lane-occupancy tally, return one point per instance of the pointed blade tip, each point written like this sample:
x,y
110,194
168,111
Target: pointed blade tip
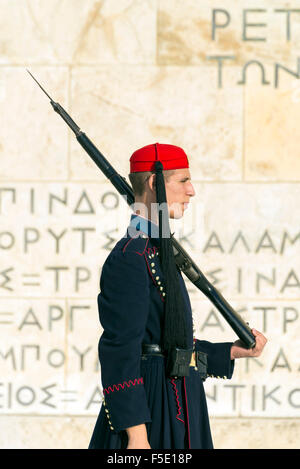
x,y
40,85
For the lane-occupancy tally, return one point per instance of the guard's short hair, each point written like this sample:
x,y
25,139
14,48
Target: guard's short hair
x,y
138,180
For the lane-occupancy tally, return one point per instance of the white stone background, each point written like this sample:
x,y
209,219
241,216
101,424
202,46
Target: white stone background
x,y
133,72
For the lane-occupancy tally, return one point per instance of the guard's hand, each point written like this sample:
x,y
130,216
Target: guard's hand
x,y
238,349
137,437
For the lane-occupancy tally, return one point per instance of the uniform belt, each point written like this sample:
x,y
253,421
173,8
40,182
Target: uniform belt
x,y
155,349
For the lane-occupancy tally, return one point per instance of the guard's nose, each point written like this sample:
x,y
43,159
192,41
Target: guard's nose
x,y
191,191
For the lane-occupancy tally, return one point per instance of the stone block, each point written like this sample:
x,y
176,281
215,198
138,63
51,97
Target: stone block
x,y
33,140
124,108
190,33
72,32
271,129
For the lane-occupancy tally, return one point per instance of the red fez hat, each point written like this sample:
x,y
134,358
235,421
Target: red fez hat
x,y
171,156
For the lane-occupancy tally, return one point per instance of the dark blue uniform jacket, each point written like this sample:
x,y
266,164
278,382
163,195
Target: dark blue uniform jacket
x,y
136,389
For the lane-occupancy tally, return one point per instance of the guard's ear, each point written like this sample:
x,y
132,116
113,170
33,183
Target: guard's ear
x,y
152,184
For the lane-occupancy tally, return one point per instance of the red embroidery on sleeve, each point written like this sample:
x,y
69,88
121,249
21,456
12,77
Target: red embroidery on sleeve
x,y
116,387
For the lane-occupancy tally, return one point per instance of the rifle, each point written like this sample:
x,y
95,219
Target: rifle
x,y
182,259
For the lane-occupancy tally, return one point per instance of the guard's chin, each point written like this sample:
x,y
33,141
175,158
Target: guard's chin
x,y
176,210
176,214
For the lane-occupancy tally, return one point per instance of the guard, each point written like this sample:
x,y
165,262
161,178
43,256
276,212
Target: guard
x,y
152,366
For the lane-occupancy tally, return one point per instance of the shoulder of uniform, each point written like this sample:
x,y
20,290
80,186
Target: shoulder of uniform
x,y
135,244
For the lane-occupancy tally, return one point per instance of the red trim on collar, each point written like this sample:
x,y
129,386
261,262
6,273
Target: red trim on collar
x,y
129,241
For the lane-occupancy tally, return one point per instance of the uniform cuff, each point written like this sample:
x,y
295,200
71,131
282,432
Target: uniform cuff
x,y
219,363
126,406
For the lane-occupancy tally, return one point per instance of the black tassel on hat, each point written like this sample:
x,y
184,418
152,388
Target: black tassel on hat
x,y
175,328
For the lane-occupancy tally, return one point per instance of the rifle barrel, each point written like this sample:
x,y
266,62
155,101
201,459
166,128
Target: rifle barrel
x,y
182,258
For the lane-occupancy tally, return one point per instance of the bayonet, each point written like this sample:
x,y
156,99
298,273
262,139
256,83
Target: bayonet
x,y
59,109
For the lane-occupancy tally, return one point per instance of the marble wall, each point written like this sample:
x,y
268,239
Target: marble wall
x,y
223,83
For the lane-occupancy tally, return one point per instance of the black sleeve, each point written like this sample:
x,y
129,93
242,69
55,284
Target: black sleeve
x,y
123,310
219,362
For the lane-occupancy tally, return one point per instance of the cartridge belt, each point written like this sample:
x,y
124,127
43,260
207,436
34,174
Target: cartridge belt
x,y
155,349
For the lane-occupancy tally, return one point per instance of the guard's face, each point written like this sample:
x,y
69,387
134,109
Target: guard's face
x,y
179,190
